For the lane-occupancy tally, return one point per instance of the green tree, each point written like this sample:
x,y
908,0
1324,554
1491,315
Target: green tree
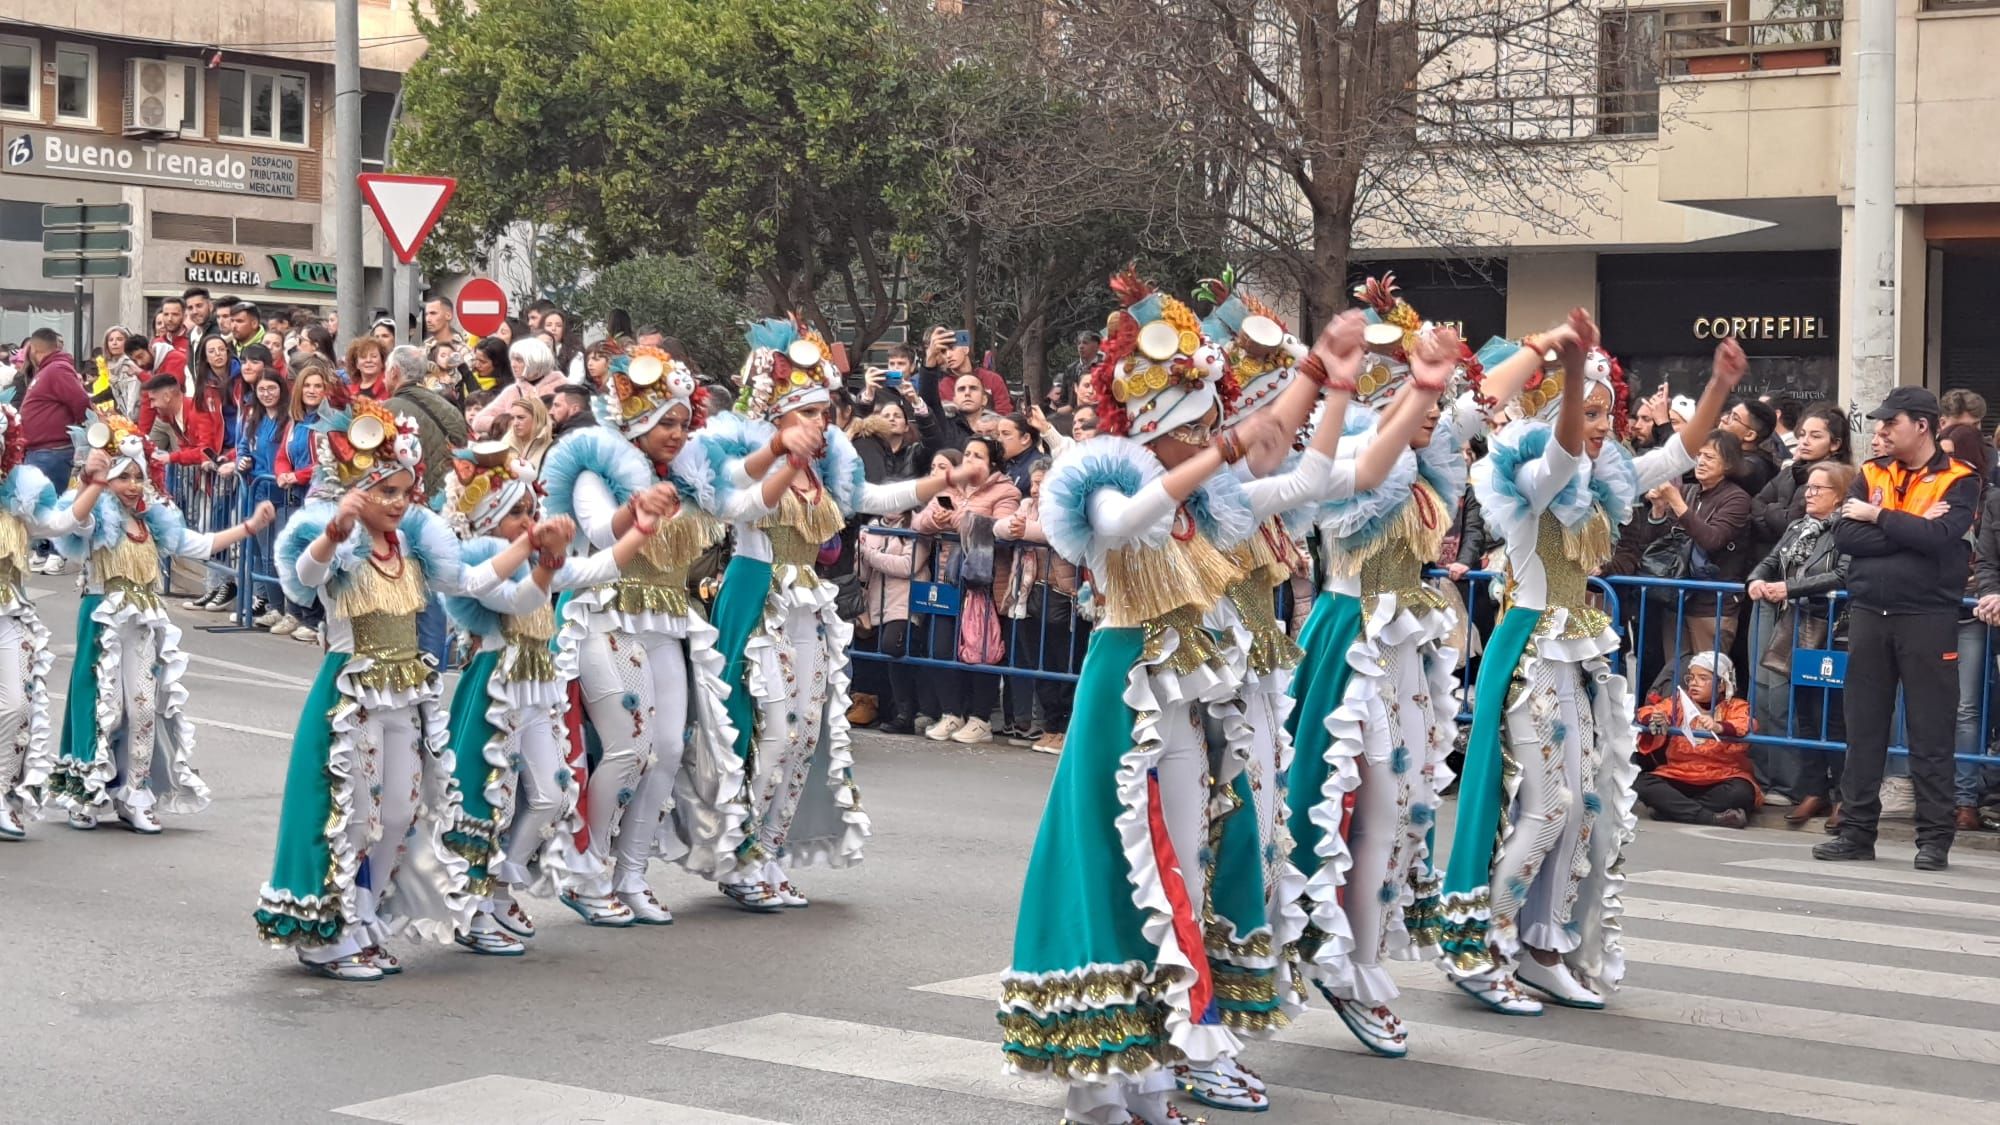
x,y
682,297
778,139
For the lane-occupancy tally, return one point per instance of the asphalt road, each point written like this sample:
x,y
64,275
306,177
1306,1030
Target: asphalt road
x,y
1762,985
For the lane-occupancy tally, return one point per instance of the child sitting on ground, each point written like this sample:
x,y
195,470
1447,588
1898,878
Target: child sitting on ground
x,y
1691,741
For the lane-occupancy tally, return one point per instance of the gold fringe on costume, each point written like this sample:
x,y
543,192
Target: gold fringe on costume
x,y
372,591
13,555
1144,584
1410,530
529,635
136,563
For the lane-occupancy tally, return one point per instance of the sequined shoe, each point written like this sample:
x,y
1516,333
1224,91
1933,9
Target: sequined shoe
x,y
1224,1084
646,910
514,920
382,959
494,942
348,970
1376,1026
1556,983
11,827
758,898
598,911
1500,994
141,821
82,821
789,896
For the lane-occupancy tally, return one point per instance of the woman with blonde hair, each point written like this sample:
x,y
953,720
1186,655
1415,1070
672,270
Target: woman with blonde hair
x,y
535,375
529,432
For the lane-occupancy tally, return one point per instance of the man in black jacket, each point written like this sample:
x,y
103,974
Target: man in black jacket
x,y
1906,527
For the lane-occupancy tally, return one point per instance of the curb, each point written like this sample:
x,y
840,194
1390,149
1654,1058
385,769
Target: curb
x,y
1899,830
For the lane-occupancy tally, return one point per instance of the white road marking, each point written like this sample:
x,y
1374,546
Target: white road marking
x,y
1813,923
1816,970
260,675
1766,890
964,1066
1901,874
499,1099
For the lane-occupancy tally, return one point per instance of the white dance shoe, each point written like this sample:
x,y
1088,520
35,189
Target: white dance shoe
x,y
488,939
757,898
347,970
1556,983
598,910
1499,993
1376,1026
11,827
646,909
513,919
141,821
1223,1084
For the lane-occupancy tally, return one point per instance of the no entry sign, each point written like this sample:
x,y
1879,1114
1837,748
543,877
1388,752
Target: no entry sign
x,y
481,306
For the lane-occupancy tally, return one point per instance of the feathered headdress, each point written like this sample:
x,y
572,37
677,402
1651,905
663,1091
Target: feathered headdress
x,y
361,446
121,438
1541,396
490,485
1260,351
789,366
1154,373
645,383
13,439
1393,327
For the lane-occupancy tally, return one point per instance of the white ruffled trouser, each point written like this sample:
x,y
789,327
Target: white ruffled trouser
x,y
542,799
1183,780
635,689
1384,837
1539,870
387,795
780,779
15,659
137,736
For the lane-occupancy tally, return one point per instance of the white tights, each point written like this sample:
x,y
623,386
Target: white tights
x,y
386,797
541,796
799,716
14,662
137,734
635,690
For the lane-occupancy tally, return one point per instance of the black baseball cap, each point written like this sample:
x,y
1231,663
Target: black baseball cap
x,y
1906,400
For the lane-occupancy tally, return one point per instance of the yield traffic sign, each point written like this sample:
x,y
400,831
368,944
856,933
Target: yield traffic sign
x,y
481,306
407,207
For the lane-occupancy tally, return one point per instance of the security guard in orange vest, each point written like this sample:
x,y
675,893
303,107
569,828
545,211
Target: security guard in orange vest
x,y
1906,527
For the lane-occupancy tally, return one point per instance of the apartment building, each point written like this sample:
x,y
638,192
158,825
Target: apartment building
x,y
1728,205
213,121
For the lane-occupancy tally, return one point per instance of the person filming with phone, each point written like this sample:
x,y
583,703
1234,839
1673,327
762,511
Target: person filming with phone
x,y
947,359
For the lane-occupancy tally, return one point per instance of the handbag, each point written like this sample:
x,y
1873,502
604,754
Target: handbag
x,y
1796,629
979,637
1669,557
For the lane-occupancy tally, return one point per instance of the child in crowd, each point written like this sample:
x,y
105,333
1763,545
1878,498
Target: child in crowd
x,y
1702,776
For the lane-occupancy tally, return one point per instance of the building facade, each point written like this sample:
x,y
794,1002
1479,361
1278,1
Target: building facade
x,y
1725,201
213,122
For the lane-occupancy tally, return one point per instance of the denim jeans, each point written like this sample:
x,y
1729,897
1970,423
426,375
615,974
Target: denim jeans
x,y
1974,662
55,464
431,636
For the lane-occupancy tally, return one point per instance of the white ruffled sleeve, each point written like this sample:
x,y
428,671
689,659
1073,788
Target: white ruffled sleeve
x,y
1305,483
1116,516
1541,479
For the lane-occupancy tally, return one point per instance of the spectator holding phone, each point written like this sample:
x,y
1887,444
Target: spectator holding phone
x,y
947,359
970,512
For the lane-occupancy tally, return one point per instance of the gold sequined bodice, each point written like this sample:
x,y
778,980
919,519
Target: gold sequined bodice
x,y
797,528
1568,558
656,580
129,568
528,635
1144,583
1263,571
381,610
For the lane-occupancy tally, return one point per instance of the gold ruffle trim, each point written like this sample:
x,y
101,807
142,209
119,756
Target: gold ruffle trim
x,y
678,542
532,663
528,635
135,563
1569,575
1248,987
635,596
1464,922
808,525
1197,645
394,675
373,592
1424,918
1143,584
1098,988
1128,1060
1407,531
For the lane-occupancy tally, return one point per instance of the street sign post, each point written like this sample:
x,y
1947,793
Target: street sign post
x,y
81,214
407,207
481,307
85,241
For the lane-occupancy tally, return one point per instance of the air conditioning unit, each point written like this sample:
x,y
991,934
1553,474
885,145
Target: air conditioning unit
x,y
155,96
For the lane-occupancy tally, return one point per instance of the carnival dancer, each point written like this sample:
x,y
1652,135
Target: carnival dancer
x,y
647,662
1549,763
371,812
1255,889
127,745
1111,983
29,512
1377,691
787,482
518,789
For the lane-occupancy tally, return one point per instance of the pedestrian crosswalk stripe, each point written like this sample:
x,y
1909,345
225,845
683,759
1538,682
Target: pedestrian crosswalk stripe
x,y
1720,1013
1815,970
499,1099
967,1066
1767,889
1681,1079
1813,926
1781,1021
1876,873
1634,1072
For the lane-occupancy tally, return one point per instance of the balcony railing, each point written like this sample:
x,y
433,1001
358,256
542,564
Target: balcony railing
x,y
1551,117
1703,40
